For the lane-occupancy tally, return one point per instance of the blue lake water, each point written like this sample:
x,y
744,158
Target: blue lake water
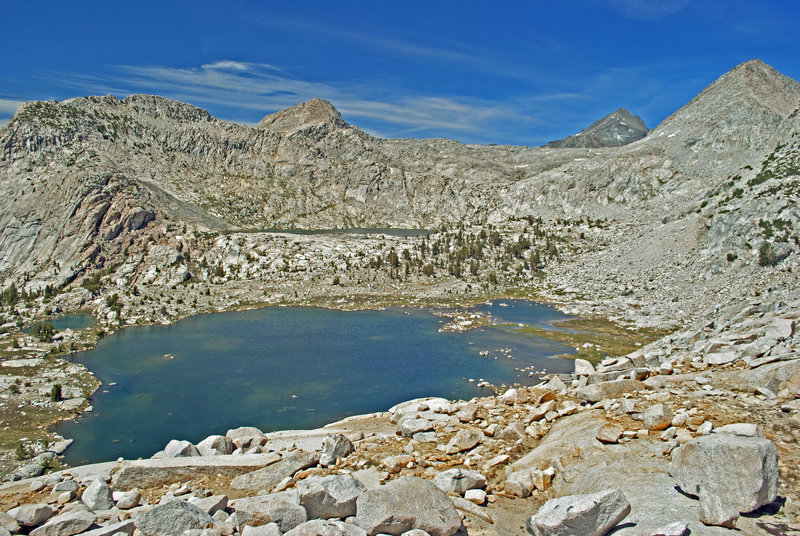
x,y
74,321
289,368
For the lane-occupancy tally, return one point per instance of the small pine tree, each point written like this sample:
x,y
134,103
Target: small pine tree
x,y
55,392
43,330
766,255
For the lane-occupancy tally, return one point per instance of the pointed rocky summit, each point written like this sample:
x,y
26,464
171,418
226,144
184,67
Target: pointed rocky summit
x,y
310,113
740,110
614,130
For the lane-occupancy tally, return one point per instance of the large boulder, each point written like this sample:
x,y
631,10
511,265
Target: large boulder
x,y
177,448
570,438
215,444
657,417
769,376
281,508
270,529
154,473
320,527
98,496
583,367
210,505
467,413
330,496
172,517
67,524
113,529
743,429
268,477
714,511
613,389
334,446
127,499
741,471
404,504
8,523
31,515
464,439
580,515
677,528
409,427
244,436
522,483
459,481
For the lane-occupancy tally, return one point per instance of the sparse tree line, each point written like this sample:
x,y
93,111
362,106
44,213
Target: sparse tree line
x,y
478,255
11,296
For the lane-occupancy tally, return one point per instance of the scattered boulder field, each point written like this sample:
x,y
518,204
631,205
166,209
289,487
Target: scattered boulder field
x,y
667,440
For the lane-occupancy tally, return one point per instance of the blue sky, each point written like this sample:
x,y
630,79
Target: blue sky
x,y
513,72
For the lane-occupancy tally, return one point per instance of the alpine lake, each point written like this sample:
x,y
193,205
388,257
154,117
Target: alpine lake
x,y
280,368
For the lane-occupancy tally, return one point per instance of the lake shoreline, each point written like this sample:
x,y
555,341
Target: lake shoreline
x,y
91,335
411,339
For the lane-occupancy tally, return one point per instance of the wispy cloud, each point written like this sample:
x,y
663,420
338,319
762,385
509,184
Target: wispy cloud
x,y
444,54
9,106
237,66
647,9
246,91
235,87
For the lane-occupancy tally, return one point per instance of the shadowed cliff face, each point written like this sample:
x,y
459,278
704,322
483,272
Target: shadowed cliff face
x,y
88,177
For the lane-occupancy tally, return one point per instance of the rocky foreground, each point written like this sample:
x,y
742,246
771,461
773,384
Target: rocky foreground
x,y
693,434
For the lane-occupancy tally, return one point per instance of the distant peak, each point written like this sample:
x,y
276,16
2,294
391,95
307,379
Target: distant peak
x,y
623,112
618,128
313,112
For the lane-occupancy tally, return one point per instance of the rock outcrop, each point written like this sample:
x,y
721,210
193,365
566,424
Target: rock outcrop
x,y
592,515
741,471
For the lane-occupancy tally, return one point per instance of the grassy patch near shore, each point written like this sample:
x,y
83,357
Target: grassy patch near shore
x,y
595,339
26,414
13,353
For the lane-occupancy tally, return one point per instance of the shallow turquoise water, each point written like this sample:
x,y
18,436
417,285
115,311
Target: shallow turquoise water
x,y
74,321
284,368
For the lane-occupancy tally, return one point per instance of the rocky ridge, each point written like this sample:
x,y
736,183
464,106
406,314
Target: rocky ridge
x,y
147,182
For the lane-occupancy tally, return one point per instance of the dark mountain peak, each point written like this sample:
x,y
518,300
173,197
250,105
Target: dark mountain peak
x,y
314,112
618,128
